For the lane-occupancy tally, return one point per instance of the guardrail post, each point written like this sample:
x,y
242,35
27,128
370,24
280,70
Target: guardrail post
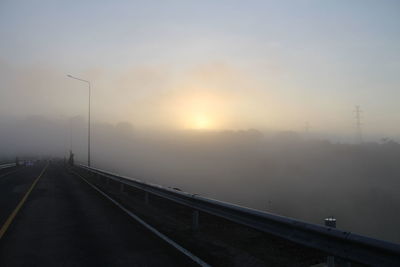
x,y
330,222
195,220
121,187
146,198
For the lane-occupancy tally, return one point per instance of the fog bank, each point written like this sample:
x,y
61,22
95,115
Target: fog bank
x,y
287,173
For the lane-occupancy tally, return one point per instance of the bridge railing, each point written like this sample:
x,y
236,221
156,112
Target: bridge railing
x,y
343,244
7,165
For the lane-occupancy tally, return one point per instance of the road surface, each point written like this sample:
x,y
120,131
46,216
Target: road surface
x,y
64,222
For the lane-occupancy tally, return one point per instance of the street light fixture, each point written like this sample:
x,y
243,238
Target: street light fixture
x,y
88,82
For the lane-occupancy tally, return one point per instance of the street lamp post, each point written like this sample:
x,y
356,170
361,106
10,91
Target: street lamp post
x,y
88,82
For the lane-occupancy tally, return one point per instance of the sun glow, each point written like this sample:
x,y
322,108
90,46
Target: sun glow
x,y
201,122
201,111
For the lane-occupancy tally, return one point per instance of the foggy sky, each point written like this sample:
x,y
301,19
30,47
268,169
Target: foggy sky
x,y
259,64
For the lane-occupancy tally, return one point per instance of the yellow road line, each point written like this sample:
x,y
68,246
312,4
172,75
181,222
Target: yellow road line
x,y
20,204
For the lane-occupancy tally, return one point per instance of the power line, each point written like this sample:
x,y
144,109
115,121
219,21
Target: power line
x,y
359,136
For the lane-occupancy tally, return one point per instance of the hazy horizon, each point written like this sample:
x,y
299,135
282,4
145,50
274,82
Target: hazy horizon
x,y
225,65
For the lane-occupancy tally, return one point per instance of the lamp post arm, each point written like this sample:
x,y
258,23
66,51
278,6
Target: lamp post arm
x,y
79,79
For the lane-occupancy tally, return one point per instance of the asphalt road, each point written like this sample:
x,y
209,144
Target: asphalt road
x,y
13,185
64,222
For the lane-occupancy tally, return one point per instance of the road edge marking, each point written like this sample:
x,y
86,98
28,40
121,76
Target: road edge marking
x,y
10,218
146,225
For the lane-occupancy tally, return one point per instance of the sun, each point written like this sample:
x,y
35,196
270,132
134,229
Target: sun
x,y
199,110
201,122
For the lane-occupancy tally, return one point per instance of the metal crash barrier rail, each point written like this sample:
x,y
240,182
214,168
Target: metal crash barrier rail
x,y
343,244
8,165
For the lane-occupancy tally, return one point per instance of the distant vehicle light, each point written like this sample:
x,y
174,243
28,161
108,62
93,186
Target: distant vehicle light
x,y
29,163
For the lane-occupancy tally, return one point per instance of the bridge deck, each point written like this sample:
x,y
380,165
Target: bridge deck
x,y
65,222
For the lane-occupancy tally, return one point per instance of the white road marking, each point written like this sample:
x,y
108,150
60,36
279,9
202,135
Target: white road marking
x,y
152,229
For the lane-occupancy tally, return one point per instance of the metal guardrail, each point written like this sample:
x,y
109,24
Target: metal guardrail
x,y
8,165
343,244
